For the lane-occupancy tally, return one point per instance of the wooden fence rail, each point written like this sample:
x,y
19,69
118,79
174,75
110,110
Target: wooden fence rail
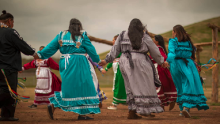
x,y
108,42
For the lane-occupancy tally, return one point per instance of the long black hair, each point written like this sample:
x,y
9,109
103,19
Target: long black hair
x,y
4,16
160,41
75,27
135,33
182,36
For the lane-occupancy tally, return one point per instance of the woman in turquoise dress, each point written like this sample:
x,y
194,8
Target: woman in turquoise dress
x,y
186,78
78,93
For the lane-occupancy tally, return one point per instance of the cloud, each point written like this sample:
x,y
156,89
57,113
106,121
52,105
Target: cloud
x,y
39,21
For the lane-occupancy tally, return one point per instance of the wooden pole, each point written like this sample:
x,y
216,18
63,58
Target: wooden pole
x,y
199,49
99,40
213,26
215,69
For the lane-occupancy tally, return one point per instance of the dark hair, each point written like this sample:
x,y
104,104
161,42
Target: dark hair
x,y
75,27
116,36
160,41
135,33
4,16
182,36
42,46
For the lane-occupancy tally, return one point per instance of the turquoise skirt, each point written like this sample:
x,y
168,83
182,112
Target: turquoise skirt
x,y
78,93
188,85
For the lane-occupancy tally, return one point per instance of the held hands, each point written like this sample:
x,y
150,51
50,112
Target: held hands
x,y
103,71
165,64
36,56
102,63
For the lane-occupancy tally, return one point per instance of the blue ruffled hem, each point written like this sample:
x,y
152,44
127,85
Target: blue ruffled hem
x,y
84,111
57,99
82,107
199,106
193,101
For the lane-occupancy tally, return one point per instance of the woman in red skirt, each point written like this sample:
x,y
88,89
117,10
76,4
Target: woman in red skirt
x,y
167,92
47,81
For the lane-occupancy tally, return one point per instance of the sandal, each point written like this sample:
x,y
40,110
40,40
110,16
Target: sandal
x,y
186,113
112,107
84,118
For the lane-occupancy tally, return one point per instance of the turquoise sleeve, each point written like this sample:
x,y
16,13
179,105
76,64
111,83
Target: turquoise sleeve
x,y
90,49
171,49
50,49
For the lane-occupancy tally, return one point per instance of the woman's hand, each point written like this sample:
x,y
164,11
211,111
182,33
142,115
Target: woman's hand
x,y
165,64
103,71
36,56
102,63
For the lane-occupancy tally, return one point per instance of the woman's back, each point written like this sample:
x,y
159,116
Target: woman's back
x,y
126,43
68,45
182,49
147,45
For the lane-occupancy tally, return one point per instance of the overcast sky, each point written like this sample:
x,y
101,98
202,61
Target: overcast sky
x,y
39,21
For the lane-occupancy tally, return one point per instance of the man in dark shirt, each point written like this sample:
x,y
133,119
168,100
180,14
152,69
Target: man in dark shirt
x,y
11,46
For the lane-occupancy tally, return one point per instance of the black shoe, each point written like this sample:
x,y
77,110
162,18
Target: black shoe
x,y
84,118
8,119
50,112
33,106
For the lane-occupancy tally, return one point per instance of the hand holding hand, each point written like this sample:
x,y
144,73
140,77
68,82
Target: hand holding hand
x,y
20,71
102,63
36,56
103,71
165,64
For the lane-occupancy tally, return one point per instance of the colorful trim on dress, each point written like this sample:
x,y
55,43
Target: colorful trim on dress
x,y
79,98
82,107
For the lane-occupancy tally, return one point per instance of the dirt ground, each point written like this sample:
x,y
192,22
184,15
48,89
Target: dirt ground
x,y
39,115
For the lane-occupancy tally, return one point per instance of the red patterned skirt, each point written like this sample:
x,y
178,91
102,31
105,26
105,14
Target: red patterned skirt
x,y
167,92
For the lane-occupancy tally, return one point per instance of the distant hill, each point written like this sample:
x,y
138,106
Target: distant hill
x,y
199,31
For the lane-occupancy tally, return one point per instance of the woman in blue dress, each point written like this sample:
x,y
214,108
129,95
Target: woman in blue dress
x,y
78,93
186,78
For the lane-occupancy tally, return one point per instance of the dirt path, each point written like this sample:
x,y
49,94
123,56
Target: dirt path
x,y
39,115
